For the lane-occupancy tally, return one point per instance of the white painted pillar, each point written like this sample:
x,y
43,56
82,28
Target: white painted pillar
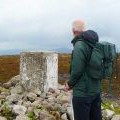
x,y
39,70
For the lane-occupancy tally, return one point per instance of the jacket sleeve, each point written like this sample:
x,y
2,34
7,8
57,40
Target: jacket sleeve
x,y
78,63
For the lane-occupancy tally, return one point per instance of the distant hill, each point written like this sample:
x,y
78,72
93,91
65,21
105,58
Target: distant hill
x,y
10,52
17,51
63,50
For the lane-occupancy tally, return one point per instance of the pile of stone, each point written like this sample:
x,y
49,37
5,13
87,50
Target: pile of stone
x,y
110,110
17,104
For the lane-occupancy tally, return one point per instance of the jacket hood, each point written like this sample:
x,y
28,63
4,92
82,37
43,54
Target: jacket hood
x,y
90,37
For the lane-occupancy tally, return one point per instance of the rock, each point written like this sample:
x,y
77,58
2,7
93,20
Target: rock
x,y
51,90
107,114
2,97
7,85
115,105
19,109
64,116
22,117
52,100
27,104
17,90
37,112
16,79
2,118
59,108
44,103
14,98
31,97
44,96
49,107
30,109
37,92
70,112
60,87
36,104
5,93
12,82
56,114
43,115
1,84
3,90
116,117
20,102
57,92
63,99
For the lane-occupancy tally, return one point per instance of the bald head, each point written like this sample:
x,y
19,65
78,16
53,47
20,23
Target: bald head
x,y
77,27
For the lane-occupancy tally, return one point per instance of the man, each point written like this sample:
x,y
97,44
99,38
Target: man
x,y
86,91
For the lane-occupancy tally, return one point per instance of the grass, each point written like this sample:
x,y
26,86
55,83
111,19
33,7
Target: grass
x,y
9,67
109,105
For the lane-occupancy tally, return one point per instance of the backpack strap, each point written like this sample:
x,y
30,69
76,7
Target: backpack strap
x,y
89,51
89,56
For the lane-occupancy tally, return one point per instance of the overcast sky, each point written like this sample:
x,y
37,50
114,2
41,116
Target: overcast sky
x,y
46,24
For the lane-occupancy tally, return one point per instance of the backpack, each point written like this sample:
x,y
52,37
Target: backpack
x,y
100,63
110,56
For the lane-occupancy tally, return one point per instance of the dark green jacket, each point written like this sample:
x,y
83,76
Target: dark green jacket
x,y
81,83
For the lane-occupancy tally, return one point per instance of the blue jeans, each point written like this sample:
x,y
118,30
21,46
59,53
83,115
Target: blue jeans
x,y
87,108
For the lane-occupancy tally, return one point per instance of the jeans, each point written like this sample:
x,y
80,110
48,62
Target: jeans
x,y
87,108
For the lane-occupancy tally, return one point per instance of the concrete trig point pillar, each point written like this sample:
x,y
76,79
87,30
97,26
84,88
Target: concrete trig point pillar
x,y
39,70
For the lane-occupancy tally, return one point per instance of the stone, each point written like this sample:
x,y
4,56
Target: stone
x,y
17,90
2,97
1,84
20,102
43,95
64,117
15,80
7,85
2,118
3,90
39,70
63,99
44,103
51,90
37,92
60,87
115,105
56,115
5,93
30,109
49,107
22,117
27,104
116,117
37,112
44,115
107,114
12,82
31,97
36,104
59,108
19,109
70,112
52,99
14,98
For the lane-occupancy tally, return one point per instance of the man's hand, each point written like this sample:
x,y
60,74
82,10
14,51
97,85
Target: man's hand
x,y
66,87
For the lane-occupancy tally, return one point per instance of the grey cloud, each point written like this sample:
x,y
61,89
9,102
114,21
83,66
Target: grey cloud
x,y
50,25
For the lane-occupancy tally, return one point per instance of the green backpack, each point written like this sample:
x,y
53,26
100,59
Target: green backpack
x,y
100,64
